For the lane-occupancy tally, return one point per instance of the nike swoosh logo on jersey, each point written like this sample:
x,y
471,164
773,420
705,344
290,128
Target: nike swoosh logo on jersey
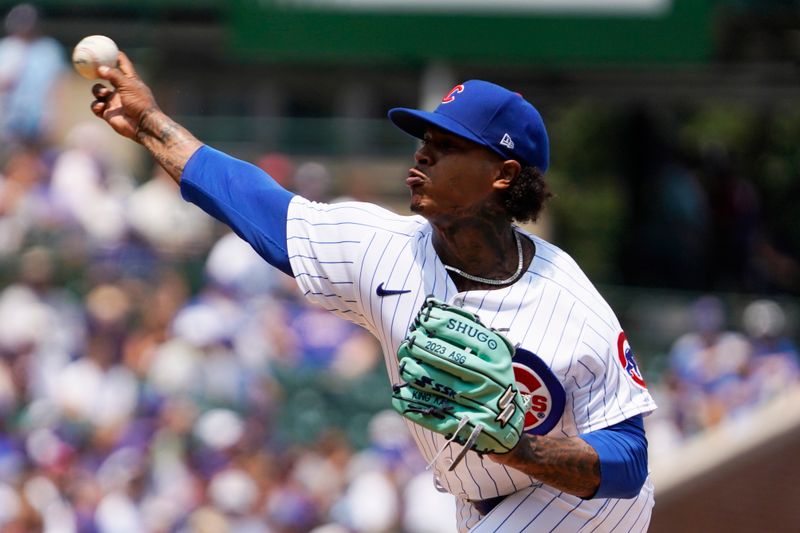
x,y
380,291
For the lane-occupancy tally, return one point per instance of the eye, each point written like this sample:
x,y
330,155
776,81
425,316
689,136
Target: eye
x,y
446,145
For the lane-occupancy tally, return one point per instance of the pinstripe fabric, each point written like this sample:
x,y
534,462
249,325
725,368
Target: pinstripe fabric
x,y
341,253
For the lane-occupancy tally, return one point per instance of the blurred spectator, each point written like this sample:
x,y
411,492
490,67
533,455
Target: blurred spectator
x,y
96,388
322,339
313,181
279,166
23,199
776,361
156,212
373,502
425,510
30,66
156,304
86,189
234,266
709,366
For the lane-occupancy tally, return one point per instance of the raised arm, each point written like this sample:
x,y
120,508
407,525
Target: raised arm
x,y
131,110
235,192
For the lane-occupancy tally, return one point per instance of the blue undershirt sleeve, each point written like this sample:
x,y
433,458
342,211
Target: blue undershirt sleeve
x,y
242,196
622,449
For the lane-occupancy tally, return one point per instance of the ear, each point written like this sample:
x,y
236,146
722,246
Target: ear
x,y
508,172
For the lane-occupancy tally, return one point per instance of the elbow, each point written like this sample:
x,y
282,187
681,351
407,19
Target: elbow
x,y
624,477
635,483
635,486
642,470
622,452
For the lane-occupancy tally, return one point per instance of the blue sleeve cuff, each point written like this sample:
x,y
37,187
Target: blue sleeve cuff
x,y
622,449
242,196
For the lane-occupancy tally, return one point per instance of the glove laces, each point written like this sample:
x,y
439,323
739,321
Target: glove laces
x,y
473,437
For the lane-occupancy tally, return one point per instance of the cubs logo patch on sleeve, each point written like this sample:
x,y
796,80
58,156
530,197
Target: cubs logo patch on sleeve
x,y
627,360
548,397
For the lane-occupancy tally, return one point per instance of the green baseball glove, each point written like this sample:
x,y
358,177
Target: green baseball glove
x,y
459,381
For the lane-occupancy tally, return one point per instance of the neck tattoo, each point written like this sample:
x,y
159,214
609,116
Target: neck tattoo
x,y
489,281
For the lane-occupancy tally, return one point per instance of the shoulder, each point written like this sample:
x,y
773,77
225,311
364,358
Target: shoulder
x,y
555,267
352,212
552,259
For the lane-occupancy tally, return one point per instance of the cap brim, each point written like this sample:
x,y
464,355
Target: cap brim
x,y
415,122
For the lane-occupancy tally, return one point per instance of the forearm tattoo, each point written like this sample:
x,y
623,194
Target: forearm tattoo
x,y
568,464
170,143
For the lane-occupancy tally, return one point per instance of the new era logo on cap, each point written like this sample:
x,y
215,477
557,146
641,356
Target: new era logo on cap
x,y
486,114
506,141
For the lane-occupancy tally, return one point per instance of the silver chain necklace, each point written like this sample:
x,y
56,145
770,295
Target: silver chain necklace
x,y
488,281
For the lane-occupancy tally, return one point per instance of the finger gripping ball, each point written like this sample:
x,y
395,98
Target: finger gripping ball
x,y
92,52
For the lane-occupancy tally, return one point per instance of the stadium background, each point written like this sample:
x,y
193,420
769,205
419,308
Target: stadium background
x,y
155,378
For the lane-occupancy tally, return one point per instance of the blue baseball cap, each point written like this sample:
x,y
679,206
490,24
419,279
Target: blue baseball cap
x,y
486,114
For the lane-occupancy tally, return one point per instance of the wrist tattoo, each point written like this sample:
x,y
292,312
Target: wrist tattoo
x,y
140,131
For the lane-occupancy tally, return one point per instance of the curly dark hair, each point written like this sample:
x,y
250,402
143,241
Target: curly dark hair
x,y
527,195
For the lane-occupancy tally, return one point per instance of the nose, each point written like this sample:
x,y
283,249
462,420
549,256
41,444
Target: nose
x,y
422,156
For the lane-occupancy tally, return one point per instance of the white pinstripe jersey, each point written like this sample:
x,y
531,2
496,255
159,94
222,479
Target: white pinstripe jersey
x,y
341,253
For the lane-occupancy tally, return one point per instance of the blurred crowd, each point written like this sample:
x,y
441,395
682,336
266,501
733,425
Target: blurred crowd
x,y
717,372
156,375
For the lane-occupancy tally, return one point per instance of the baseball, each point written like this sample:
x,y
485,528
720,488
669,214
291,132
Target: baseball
x,y
92,52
